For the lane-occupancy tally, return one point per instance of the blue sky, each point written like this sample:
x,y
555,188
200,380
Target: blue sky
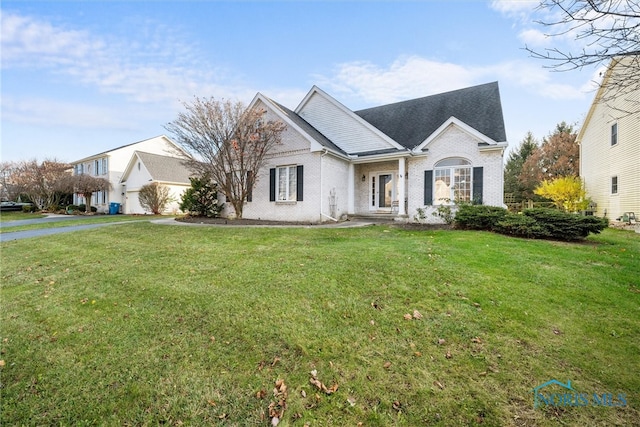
x,y
81,77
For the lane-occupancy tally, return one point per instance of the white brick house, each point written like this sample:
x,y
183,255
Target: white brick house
x,y
146,168
389,160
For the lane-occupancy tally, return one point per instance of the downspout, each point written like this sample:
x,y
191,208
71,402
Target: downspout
x,y
322,214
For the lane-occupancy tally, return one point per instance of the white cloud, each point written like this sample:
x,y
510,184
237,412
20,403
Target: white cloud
x,y
520,9
533,38
159,69
406,77
411,77
46,112
28,42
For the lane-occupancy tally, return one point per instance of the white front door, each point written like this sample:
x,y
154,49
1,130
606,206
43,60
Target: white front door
x,y
382,190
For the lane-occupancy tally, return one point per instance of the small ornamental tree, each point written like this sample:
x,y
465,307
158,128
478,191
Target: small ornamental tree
x,y
85,185
567,193
155,197
201,199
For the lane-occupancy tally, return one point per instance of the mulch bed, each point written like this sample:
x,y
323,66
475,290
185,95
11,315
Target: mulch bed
x,y
244,221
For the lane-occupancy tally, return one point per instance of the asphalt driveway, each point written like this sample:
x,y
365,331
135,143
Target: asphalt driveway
x,y
8,235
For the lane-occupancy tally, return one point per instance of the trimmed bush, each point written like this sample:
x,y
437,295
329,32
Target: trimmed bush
x,y
478,217
72,209
83,208
538,223
520,225
559,225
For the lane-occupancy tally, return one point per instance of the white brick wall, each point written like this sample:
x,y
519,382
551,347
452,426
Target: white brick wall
x,y
456,143
326,173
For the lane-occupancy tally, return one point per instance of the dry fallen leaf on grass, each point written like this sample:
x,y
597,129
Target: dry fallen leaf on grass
x,y
408,316
386,365
439,384
316,382
417,314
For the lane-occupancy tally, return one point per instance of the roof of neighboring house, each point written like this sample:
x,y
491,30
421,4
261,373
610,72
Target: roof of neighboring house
x,y
411,122
165,168
124,146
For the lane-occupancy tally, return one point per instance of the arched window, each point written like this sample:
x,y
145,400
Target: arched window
x,y
452,181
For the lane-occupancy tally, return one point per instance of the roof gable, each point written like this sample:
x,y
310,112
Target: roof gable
x,y
161,168
317,140
482,139
342,126
479,107
604,97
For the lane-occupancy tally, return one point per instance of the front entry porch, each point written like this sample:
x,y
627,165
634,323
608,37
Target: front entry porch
x,y
380,189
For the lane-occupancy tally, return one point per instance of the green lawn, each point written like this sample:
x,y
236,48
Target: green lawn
x,y
18,215
70,221
145,324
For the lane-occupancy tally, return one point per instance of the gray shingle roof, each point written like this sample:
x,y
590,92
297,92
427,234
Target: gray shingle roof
x,y
165,168
409,123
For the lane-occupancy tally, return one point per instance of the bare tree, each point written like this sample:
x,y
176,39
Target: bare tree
x,y
608,32
42,183
155,197
228,141
85,185
8,188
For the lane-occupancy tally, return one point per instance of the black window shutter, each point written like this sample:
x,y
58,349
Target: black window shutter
x,y
477,185
299,183
249,186
272,184
428,188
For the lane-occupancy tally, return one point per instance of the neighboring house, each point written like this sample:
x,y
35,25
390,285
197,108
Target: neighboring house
x,y
111,165
146,168
390,160
610,148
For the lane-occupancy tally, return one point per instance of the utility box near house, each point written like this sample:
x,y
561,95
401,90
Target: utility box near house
x,y
114,208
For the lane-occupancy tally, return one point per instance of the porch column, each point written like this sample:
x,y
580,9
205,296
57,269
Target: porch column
x,y
402,179
351,202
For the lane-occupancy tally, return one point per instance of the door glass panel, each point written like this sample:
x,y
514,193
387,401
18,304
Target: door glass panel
x,y
386,191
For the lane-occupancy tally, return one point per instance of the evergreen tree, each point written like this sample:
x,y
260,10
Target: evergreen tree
x,y
513,168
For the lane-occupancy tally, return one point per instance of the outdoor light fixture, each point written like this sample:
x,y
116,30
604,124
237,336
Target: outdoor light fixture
x,y
364,178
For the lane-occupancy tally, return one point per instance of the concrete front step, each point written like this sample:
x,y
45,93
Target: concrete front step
x,y
378,217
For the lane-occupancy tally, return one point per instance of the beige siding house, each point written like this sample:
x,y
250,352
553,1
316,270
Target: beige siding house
x,y
146,168
111,165
610,150
384,161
